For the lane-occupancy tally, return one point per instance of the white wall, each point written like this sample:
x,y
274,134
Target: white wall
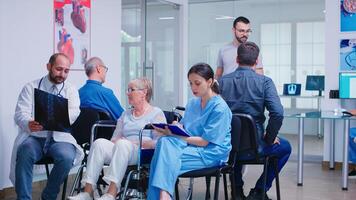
x,y
332,37
26,43
204,29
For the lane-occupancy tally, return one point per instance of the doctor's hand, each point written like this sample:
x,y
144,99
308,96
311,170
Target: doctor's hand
x,y
162,131
34,126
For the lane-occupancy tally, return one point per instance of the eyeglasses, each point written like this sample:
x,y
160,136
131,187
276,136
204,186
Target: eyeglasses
x,y
248,31
129,90
106,68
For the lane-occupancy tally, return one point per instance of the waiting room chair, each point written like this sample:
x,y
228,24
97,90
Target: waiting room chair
x,y
82,131
247,153
218,170
47,161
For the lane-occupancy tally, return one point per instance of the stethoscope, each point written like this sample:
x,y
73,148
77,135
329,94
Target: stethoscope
x,y
59,93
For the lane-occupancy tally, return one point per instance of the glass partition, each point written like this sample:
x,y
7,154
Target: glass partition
x,y
150,38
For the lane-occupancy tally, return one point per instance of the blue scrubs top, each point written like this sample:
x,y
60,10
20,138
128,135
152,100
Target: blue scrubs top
x,y
213,123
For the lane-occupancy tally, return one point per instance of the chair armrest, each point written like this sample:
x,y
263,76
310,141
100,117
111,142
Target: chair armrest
x,y
101,123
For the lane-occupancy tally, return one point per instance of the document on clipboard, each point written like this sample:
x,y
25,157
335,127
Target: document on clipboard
x,y
51,111
175,129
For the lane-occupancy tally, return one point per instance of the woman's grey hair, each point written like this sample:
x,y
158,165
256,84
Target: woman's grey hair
x,y
144,83
91,64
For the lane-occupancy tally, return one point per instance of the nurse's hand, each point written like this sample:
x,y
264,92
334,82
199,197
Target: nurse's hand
x,y
162,131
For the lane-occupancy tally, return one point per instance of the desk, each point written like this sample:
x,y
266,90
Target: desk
x,y
318,107
331,116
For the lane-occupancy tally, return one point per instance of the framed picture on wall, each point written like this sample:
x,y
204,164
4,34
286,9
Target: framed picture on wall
x,y
348,55
347,15
72,30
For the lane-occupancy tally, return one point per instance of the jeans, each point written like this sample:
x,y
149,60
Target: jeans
x,y
29,152
282,151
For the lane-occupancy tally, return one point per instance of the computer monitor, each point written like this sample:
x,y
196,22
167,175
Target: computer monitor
x,y
292,89
315,83
347,85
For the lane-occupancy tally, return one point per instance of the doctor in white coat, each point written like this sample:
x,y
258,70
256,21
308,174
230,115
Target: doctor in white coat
x,y
33,142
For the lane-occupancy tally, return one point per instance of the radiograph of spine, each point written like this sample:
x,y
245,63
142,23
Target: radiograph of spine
x,y
78,16
350,6
65,44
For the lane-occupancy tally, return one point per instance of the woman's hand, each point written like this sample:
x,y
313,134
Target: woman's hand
x,y
162,131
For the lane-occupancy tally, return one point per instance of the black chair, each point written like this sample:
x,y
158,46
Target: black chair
x,y
82,131
218,170
81,128
47,161
248,147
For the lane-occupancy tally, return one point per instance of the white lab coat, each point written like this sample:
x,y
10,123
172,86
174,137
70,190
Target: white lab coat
x,y
25,112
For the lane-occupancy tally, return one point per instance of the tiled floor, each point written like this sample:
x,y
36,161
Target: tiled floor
x,y
318,183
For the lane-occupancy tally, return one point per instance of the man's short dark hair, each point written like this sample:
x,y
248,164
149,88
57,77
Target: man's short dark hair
x,y
240,19
53,58
247,53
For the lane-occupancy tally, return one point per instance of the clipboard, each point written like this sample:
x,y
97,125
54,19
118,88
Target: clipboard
x,y
51,111
173,128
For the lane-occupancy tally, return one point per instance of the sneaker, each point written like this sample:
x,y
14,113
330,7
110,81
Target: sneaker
x,y
81,196
352,174
107,196
257,194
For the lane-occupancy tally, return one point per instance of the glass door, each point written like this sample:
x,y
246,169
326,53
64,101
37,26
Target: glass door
x,y
150,48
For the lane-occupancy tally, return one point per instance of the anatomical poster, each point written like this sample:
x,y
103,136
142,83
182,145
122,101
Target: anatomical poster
x,y
347,15
72,30
348,55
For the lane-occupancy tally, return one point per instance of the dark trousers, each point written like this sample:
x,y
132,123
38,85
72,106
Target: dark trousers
x,y
282,151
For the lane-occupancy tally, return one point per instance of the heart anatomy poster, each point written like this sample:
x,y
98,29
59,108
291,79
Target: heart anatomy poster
x,y
72,30
347,15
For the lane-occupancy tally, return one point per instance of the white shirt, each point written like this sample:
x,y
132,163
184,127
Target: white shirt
x,y
25,112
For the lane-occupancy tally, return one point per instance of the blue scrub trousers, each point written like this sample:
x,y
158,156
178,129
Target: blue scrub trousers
x,y
172,157
282,151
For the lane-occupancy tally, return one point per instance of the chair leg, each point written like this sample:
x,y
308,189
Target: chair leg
x,y
233,184
225,187
277,178
47,170
217,182
207,182
64,189
190,190
176,193
265,168
77,181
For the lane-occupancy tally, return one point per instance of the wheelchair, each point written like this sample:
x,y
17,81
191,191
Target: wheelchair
x,y
135,181
80,129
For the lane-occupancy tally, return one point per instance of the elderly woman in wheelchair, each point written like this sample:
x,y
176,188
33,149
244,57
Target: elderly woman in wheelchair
x,y
121,151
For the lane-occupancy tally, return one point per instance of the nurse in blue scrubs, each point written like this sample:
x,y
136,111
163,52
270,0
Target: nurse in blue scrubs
x,y
207,119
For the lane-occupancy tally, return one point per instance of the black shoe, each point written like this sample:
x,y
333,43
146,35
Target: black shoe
x,y
239,194
257,194
352,174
